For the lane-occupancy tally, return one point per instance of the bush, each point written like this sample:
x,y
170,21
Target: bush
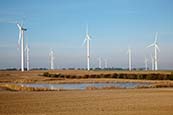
x,y
152,76
98,76
46,74
132,76
107,75
66,76
86,76
170,77
115,75
93,76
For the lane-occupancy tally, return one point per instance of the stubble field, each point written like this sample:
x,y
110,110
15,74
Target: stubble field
x,y
150,101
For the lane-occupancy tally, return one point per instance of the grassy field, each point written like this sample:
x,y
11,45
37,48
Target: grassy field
x,y
88,102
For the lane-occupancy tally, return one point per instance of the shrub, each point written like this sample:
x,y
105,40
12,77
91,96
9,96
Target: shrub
x,y
72,76
66,76
46,74
78,77
86,76
115,75
170,77
93,76
132,76
97,76
107,75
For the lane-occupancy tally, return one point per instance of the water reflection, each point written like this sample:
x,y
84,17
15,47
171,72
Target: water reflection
x,y
85,85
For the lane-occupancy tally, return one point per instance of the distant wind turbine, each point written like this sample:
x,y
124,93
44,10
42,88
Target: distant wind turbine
x,y
87,41
146,64
21,42
106,63
100,62
155,45
130,58
51,57
27,50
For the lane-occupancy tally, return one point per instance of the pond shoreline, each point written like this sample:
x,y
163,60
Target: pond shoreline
x,y
36,77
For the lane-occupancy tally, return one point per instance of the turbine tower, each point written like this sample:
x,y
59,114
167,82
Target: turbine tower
x,y
130,59
106,63
152,63
156,48
21,42
87,41
51,57
146,64
100,62
27,50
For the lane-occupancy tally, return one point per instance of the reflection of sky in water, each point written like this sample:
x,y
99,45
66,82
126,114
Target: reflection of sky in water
x,y
84,85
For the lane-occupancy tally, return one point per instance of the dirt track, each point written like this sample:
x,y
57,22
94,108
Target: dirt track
x,y
100,102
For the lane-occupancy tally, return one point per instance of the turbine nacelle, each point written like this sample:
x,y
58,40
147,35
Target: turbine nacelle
x,y
20,32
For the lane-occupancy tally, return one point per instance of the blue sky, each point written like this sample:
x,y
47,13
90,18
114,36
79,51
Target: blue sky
x,y
113,24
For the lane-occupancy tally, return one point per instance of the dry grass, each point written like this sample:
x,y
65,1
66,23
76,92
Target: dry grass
x,y
164,84
14,87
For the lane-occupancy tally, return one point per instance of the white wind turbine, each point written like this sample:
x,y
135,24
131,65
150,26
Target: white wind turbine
x,y
87,41
27,50
130,58
21,42
155,51
51,57
106,63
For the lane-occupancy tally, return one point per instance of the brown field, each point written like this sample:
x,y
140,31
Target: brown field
x,y
88,102
105,101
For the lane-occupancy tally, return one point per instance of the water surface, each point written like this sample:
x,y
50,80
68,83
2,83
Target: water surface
x,y
85,85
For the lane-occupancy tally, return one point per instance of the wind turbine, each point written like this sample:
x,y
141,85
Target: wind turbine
x,y
87,41
130,58
146,64
155,51
106,63
27,50
100,62
21,42
51,57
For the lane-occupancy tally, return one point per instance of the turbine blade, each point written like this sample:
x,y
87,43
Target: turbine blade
x,y
84,42
156,35
157,47
19,38
87,29
150,45
19,26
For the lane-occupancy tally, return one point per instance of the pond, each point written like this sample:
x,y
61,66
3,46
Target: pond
x,y
83,86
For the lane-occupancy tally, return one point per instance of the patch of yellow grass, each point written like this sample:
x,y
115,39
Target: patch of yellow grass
x,y
15,87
